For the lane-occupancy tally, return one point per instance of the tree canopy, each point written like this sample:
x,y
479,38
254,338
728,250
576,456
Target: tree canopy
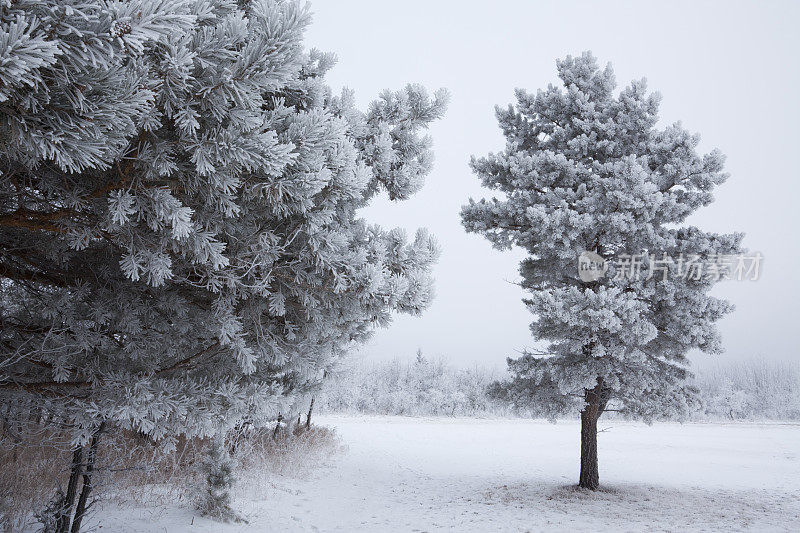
x,y
180,245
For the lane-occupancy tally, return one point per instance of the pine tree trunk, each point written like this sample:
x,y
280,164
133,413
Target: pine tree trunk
x,y
308,417
596,400
65,513
80,510
590,475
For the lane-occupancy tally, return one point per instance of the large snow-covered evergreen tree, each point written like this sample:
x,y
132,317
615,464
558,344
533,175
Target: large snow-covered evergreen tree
x,y
180,245
586,169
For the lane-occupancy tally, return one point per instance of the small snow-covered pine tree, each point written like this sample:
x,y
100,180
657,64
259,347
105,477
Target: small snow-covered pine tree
x,y
219,479
585,169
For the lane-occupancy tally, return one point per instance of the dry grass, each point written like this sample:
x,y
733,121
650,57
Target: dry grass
x,y
294,454
35,464
262,458
132,468
31,469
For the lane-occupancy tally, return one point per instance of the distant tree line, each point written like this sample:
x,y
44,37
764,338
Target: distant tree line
x,y
750,390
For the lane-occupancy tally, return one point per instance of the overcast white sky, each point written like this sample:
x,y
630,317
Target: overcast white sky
x,y
728,70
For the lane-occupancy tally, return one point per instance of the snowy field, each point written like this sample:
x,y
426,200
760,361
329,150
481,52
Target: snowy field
x,y
407,474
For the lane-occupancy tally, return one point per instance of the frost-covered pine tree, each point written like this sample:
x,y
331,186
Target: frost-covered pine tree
x,y
180,247
218,471
586,169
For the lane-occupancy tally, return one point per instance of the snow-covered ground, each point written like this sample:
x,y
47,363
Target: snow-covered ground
x,y
411,474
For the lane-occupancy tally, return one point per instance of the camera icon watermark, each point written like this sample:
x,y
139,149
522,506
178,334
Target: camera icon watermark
x,y
740,267
591,266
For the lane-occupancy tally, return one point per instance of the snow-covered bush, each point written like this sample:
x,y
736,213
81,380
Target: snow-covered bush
x,y
418,388
754,389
